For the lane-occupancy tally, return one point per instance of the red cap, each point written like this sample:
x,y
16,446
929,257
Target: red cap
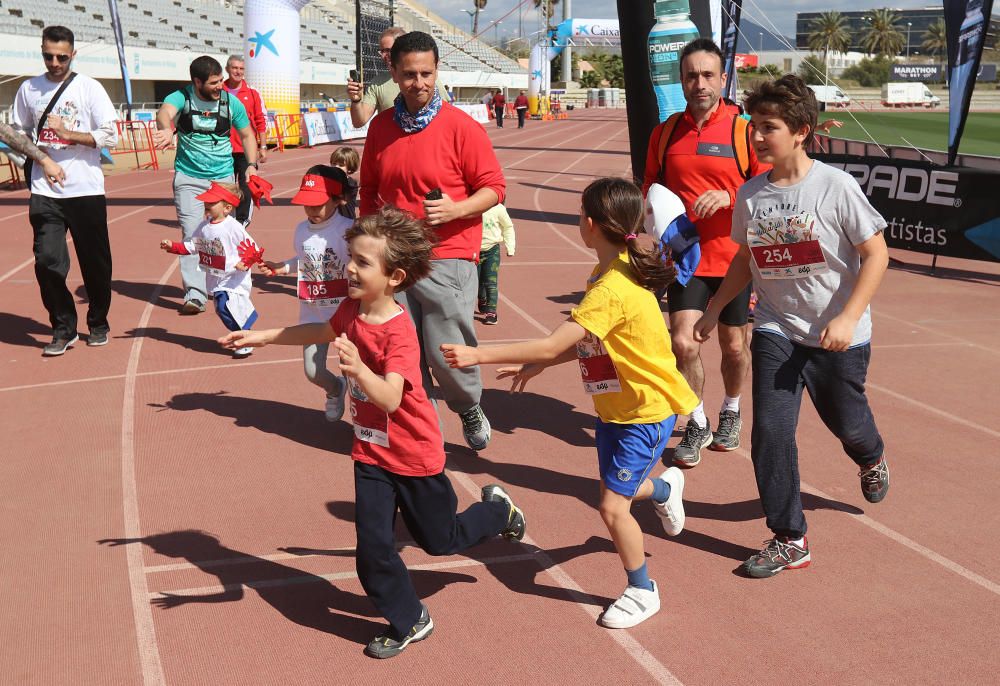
x,y
216,192
316,190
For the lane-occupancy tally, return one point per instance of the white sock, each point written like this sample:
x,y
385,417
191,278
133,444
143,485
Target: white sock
x,y
698,416
731,403
800,542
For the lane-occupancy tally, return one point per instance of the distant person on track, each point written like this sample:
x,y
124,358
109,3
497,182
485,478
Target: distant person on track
x,y
226,253
320,263
696,155
71,116
521,107
398,449
498,230
254,105
433,160
380,95
348,160
814,249
499,103
617,335
203,114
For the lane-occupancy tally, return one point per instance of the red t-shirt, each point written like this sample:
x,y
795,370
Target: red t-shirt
x,y
697,161
407,442
452,153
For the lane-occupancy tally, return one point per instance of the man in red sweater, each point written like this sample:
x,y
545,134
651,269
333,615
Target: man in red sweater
x,y
434,161
700,165
254,104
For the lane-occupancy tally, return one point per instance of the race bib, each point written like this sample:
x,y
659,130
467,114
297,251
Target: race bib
x,y
48,137
786,247
371,424
596,368
321,280
211,256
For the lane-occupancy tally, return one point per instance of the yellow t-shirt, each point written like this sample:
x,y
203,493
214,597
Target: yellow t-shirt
x,y
625,359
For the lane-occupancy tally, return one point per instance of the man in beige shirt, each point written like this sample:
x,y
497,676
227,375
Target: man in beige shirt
x,y
380,95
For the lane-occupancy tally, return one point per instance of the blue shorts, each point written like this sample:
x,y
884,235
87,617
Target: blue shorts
x,y
221,300
627,452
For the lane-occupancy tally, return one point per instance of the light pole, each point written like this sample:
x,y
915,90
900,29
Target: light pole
x,y
472,16
908,25
496,33
760,42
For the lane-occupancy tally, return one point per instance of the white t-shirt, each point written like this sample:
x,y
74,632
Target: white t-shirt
x,y
321,260
86,107
803,240
217,248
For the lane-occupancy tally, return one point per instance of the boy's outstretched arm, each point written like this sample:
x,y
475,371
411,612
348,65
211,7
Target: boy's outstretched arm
x,y
839,333
547,351
303,334
386,393
737,277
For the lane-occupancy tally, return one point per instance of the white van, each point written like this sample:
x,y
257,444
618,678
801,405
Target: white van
x,y
831,95
908,94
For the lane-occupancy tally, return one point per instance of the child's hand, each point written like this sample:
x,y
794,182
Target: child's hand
x,y
244,339
459,356
166,244
703,327
240,267
350,362
270,268
838,334
520,375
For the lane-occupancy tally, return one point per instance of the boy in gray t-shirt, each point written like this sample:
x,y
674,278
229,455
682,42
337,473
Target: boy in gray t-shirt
x,y
813,247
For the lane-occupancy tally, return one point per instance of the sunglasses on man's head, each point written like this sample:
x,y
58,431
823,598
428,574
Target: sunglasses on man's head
x,y
62,59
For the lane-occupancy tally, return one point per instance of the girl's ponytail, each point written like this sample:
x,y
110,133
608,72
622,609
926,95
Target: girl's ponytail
x,y
616,206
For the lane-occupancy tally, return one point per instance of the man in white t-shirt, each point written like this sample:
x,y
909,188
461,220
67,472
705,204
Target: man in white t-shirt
x,y
81,122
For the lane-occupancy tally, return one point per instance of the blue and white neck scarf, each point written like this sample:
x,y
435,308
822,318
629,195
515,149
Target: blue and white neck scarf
x,y
412,123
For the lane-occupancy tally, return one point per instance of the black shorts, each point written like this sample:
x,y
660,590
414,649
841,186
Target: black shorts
x,y
699,291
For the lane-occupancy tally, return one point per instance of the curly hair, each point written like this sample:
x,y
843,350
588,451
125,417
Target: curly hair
x,y
789,99
408,241
616,206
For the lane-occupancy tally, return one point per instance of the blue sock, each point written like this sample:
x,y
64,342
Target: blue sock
x,y
661,490
640,578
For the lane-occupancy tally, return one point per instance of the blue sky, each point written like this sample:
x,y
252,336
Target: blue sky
x,y
764,12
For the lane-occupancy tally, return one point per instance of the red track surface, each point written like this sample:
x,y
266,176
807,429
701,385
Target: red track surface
x,y
161,434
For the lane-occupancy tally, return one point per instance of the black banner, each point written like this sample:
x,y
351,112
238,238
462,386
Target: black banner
x,y
731,10
947,211
116,29
965,26
925,73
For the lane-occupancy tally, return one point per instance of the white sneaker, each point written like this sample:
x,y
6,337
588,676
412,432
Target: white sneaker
x,y
635,606
672,511
240,353
335,403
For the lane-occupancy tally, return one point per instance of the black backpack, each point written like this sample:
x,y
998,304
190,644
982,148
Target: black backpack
x,y
223,122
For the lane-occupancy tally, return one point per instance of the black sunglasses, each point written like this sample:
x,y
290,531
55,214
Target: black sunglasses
x,y
62,59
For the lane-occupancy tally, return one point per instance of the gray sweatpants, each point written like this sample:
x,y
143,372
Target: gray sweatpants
x,y
441,306
314,364
191,213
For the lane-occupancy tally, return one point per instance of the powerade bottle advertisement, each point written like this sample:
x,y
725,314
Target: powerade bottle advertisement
x,y
672,31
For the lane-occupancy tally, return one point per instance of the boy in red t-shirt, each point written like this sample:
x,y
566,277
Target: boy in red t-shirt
x,y
398,449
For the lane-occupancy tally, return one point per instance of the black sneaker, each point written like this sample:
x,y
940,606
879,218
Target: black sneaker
x,y
494,493
779,553
97,339
727,436
385,646
687,454
59,345
475,427
875,481
490,318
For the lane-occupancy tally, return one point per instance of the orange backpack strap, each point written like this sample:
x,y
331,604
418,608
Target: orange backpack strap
x,y
741,145
666,131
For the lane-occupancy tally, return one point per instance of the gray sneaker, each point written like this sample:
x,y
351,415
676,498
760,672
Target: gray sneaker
x,y
687,454
727,436
475,427
386,645
59,345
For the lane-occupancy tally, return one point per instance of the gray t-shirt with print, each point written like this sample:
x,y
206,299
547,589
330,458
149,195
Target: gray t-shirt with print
x,y
802,239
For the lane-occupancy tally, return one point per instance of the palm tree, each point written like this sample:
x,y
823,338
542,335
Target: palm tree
x,y
935,38
829,32
548,11
479,5
882,36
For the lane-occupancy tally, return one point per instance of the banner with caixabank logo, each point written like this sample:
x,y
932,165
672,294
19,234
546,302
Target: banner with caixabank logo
x,y
947,211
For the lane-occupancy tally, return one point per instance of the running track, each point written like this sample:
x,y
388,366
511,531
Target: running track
x,y
244,492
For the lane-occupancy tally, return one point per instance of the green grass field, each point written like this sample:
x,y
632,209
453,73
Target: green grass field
x,y
922,129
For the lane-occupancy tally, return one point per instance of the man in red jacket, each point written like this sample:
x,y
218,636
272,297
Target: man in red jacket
x,y
521,106
254,104
434,161
700,164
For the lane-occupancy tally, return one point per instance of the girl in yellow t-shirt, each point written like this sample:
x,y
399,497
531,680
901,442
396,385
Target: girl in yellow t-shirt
x,y
620,340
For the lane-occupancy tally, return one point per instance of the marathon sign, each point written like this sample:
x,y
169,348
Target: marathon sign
x,y
947,211
924,73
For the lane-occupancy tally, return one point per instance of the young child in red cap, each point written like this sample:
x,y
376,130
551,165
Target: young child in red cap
x,y
321,257
226,252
